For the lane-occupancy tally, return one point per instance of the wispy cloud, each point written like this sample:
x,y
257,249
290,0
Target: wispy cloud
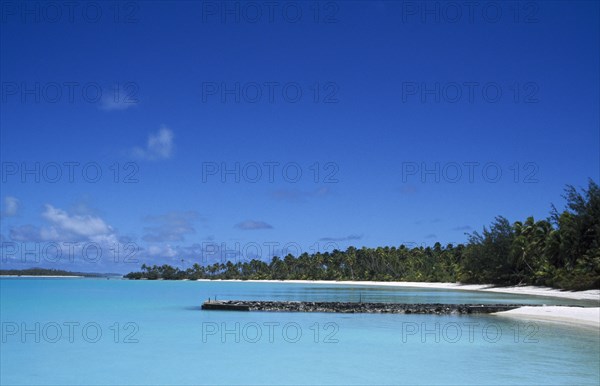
x,y
11,206
26,233
253,225
346,238
462,228
432,221
160,145
207,252
431,236
295,195
110,103
172,226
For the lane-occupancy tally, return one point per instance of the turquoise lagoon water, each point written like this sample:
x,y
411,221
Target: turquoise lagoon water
x,y
97,332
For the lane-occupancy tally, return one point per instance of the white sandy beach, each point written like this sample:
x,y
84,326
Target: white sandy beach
x,y
588,316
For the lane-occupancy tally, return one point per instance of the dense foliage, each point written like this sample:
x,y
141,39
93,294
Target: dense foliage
x,y
561,251
44,272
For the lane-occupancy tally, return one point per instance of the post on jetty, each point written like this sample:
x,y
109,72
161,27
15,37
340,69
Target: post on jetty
x,y
225,306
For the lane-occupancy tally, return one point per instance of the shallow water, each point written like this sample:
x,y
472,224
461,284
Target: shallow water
x,y
97,331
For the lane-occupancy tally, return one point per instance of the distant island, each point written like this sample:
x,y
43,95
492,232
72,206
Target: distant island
x,y
50,272
561,251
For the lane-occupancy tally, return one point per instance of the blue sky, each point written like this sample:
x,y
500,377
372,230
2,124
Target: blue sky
x,y
337,124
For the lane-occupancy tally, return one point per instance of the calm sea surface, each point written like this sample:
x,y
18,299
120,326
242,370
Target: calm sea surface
x,y
98,331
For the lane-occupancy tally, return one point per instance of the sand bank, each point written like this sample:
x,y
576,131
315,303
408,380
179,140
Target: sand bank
x,y
584,316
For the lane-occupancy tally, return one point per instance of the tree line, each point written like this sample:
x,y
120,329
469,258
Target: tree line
x,y
561,251
45,272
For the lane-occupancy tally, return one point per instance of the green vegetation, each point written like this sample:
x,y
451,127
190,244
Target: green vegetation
x,y
45,272
562,251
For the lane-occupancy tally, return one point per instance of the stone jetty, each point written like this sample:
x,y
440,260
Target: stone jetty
x,y
349,307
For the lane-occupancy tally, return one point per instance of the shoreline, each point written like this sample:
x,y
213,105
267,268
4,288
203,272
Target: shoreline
x,y
580,316
586,317
43,276
515,290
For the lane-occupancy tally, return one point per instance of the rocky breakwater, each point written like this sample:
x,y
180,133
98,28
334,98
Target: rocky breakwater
x,y
348,307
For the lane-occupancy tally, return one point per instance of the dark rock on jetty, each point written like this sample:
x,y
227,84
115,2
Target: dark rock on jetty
x,y
345,307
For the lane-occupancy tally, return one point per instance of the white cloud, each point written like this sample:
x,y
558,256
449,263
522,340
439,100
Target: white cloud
x,y
65,227
73,241
86,226
11,206
159,145
162,251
